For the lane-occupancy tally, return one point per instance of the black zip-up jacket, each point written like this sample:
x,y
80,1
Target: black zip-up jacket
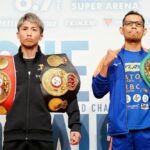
x,y
29,118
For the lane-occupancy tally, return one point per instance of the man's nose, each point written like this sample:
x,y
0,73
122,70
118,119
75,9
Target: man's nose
x,y
134,25
29,33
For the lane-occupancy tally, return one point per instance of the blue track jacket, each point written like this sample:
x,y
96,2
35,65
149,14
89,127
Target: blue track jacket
x,y
115,84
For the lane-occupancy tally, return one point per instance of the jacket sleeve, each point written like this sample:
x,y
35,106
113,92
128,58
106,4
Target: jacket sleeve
x,y
100,86
74,116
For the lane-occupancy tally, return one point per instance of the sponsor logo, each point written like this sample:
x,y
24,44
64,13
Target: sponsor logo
x,y
144,106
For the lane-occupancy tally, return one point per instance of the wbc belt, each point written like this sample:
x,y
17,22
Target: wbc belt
x,y
7,83
60,82
145,69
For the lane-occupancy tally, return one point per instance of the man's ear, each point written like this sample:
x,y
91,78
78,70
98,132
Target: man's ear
x,y
145,31
41,37
121,30
17,33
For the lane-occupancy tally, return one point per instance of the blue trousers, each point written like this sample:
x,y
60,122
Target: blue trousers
x,y
134,140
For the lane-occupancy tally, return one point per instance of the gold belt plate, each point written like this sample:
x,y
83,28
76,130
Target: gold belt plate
x,y
5,86
3,62
56,104
55,60
54,81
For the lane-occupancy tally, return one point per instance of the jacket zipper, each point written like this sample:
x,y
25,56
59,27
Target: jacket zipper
x,y
124,90
27,110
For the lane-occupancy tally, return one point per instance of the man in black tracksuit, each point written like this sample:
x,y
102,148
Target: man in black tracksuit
x,y
28,123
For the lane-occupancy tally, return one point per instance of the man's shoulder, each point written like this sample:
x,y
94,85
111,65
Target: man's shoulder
x,y
116,51
16,56
146,49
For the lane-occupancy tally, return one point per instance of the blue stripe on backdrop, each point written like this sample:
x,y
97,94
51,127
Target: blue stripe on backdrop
x,y
60,132
8,46
102,143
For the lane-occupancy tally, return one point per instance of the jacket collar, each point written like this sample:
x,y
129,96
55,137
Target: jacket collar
x,y
122,50
142,53
37,56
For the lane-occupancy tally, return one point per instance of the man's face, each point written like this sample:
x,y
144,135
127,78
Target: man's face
x,y
133,28
29,34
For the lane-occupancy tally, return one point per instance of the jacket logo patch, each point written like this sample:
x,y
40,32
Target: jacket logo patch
x,y
117,64
41,66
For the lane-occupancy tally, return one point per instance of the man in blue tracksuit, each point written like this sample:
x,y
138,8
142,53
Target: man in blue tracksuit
x,y
119,74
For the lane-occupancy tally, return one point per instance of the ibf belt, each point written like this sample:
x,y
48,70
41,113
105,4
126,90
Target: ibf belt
x,y
7,83
59,82
145,69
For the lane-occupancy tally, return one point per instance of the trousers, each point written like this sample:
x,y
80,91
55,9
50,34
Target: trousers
x,y
134,140
28,145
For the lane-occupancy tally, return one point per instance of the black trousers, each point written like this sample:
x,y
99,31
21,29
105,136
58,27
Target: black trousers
x,y
28,145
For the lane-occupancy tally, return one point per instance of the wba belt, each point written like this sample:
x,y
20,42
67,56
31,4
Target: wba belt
x,y
7,83
60,82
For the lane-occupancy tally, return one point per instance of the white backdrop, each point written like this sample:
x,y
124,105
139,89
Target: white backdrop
x,y
84,30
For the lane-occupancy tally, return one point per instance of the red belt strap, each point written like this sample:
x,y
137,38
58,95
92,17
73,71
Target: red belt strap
x,y
7,83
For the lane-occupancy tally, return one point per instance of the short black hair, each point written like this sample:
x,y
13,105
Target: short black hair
x,y
133,13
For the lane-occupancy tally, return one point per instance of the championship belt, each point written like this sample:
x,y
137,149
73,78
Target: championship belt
x,y
145,69
60,82
7,83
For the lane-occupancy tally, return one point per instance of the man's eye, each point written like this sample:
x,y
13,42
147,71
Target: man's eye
x,y
139,24
34,29
129,23
24,29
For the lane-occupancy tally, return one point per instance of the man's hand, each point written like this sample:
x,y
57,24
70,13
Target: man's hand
x,y
110,56
102,68
110,144
75,137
